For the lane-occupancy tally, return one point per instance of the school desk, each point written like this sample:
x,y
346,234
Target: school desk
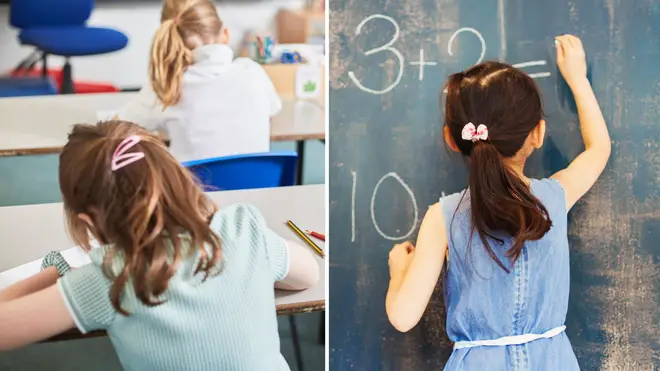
x,y
39,125
305,205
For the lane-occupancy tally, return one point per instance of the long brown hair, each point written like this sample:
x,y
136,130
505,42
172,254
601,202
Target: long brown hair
x,y
508,102
144,210
185,24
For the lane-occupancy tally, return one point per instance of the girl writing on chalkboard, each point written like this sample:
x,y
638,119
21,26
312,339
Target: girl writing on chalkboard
x,y
504,237
208,103
178,284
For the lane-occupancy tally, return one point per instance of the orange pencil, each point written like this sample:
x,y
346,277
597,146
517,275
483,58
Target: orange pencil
x,y
318,235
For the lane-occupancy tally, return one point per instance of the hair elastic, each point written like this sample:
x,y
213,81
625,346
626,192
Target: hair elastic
x,y
470,133
120,158
177,19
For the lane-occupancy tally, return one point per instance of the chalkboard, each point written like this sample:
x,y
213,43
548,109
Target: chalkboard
x,y
388,163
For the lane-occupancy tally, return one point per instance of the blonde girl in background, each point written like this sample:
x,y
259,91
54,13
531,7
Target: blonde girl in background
x,y
208,103
178,283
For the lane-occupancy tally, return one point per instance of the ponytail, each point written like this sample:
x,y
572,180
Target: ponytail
x,y
500,199
169,58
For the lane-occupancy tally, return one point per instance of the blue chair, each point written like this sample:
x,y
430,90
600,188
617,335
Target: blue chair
x,y
59,28
257,170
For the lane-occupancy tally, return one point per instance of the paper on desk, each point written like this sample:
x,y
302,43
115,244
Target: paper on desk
x,y
75,256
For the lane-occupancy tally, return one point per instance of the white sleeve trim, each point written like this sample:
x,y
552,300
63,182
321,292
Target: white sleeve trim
x,y
69,307
287,267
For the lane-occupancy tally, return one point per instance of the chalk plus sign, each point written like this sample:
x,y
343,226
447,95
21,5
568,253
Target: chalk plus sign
x,y
421,63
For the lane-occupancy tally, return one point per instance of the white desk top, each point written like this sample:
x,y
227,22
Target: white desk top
x,y
36,125
29,232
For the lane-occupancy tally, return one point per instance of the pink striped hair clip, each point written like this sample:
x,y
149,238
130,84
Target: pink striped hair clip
x,y
120,158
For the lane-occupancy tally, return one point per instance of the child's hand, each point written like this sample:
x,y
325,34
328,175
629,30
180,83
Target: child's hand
x,y
400,257
571,59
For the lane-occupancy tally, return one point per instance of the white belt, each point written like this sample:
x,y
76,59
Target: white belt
x,y
509,340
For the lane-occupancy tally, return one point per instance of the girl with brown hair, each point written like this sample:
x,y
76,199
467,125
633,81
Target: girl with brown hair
x,y
505,237
177,283
209,103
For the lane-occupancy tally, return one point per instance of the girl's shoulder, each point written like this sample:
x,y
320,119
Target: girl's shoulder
x,y
547,184
238,212
99,253
251,68
238,220
247,64
551,193
450,203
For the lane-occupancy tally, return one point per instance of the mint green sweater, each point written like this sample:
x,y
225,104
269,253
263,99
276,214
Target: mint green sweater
x,y
226,323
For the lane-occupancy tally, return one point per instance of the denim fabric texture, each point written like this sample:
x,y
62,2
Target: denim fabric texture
x,y
484,302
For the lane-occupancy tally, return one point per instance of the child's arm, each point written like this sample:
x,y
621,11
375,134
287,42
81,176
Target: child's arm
x,y
293,266
53,265
414,271
32,318
303,269
271,92
275,101
39,281
583,172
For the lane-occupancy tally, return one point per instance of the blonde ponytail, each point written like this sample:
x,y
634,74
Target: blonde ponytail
x,y
169,58
184,26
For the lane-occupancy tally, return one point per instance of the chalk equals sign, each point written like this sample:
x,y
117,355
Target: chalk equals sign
x,y
522,65
537,75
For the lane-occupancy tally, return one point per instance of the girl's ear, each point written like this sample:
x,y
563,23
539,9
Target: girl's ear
x,y
538,134
224,36
449,139
91,228
87,219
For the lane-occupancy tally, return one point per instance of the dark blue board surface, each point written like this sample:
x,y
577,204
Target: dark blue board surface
x,y
614,232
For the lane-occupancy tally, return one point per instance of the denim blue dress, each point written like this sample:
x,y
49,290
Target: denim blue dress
x,y
508,321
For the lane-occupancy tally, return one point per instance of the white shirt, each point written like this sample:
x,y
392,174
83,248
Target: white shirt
x,y
224,109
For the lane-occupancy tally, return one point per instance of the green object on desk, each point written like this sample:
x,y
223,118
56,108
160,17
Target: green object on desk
x,y
310,86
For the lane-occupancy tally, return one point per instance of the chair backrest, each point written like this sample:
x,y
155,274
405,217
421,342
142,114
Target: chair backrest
x,y
49,13
258,170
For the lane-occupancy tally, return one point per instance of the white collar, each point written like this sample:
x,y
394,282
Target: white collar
x,y
213,54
